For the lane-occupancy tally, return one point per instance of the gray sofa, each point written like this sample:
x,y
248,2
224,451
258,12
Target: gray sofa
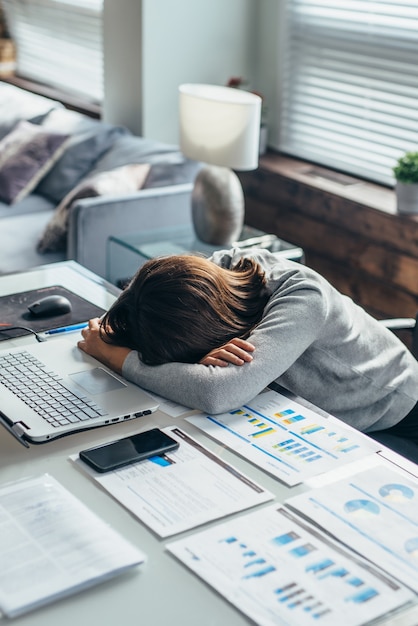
x,y
91,149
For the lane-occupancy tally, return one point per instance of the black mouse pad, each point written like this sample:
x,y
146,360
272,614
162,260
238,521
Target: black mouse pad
x,y
14,311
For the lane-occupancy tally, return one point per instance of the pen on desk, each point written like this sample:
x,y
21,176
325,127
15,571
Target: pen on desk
x,y
66,329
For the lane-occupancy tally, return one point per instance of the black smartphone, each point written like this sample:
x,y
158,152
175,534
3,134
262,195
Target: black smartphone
x,y
129,450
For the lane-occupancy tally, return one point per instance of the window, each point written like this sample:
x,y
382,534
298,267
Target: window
x,y
350,87
59,43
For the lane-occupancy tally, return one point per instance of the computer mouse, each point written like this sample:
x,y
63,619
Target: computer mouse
x,y
50,305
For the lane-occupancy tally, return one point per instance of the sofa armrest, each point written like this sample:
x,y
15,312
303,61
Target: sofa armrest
x,y
93,220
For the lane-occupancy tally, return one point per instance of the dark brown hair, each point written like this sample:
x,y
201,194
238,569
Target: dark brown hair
x,y
179,308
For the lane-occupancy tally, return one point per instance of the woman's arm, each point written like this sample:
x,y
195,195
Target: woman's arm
x,y
107,353
293,319
282,336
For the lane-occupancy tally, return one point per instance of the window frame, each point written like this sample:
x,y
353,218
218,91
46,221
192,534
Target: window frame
x,y
42,29
306,133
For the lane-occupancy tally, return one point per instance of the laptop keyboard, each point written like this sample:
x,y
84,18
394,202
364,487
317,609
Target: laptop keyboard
x,y
40,388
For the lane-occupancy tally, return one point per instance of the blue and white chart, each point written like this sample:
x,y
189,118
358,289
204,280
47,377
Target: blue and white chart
x,y
279,571
375,513
286,439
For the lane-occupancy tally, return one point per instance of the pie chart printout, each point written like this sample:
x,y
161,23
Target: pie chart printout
x,y
362,508
396,493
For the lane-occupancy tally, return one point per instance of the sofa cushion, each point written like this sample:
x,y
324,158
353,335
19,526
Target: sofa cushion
x,y
31,204
165,174
17,104
125,179
89,139
27,153
131,149
19,237
168,165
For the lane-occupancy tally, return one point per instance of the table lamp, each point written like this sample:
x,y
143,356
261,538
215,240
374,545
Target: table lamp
x,y
219,126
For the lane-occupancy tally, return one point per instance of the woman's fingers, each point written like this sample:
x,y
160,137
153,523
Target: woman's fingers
x,y
237,352
94,323
242,343
231,350
211,360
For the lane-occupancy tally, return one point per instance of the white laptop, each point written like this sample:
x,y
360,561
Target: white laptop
x,y
52,389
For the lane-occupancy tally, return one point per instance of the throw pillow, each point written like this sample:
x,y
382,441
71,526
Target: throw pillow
x,y
27,153
131,149
89,139
126,179
164,174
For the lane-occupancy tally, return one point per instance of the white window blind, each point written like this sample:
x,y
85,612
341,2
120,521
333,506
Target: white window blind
x,y
350,92
59,43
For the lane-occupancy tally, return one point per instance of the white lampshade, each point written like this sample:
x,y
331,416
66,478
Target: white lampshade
x,y
220,125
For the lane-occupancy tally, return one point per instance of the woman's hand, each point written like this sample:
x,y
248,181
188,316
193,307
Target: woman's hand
x,y
107,353
237,351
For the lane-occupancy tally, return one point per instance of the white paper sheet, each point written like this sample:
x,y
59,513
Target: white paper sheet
x,y
279,572
286,439
173,409
182,489
51,545
374,512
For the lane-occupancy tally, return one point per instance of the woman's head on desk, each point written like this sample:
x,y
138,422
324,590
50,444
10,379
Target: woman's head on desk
x,y
251,318
179,308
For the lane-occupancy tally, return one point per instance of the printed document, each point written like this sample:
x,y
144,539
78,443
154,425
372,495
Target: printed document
x,y
173,409
286,439
374,512
51,545
181,489
280,571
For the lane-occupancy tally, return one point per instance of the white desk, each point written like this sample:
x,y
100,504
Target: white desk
x,y
162,591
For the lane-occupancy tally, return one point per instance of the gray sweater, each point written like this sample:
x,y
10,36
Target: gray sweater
x,y
313,341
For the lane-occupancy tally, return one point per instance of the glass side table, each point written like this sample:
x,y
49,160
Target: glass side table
x,y
126,253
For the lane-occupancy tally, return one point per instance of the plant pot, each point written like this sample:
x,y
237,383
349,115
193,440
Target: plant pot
x,y
407,197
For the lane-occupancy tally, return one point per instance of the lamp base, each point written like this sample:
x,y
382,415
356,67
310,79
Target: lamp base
x,y
217,205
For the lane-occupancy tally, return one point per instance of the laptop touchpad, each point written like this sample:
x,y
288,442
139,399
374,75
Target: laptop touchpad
x,y
96,381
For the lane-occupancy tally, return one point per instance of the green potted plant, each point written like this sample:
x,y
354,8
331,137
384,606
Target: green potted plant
x,y
406,175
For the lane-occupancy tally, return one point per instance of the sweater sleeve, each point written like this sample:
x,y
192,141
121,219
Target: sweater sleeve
x,y
292,320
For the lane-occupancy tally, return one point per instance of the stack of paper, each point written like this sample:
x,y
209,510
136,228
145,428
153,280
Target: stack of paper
x,y
51,545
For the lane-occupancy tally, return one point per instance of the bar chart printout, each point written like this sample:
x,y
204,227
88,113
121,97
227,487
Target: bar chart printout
x,y
278,572
284,438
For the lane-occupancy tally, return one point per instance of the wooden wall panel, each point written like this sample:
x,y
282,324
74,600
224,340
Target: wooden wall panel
x,y
367,253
